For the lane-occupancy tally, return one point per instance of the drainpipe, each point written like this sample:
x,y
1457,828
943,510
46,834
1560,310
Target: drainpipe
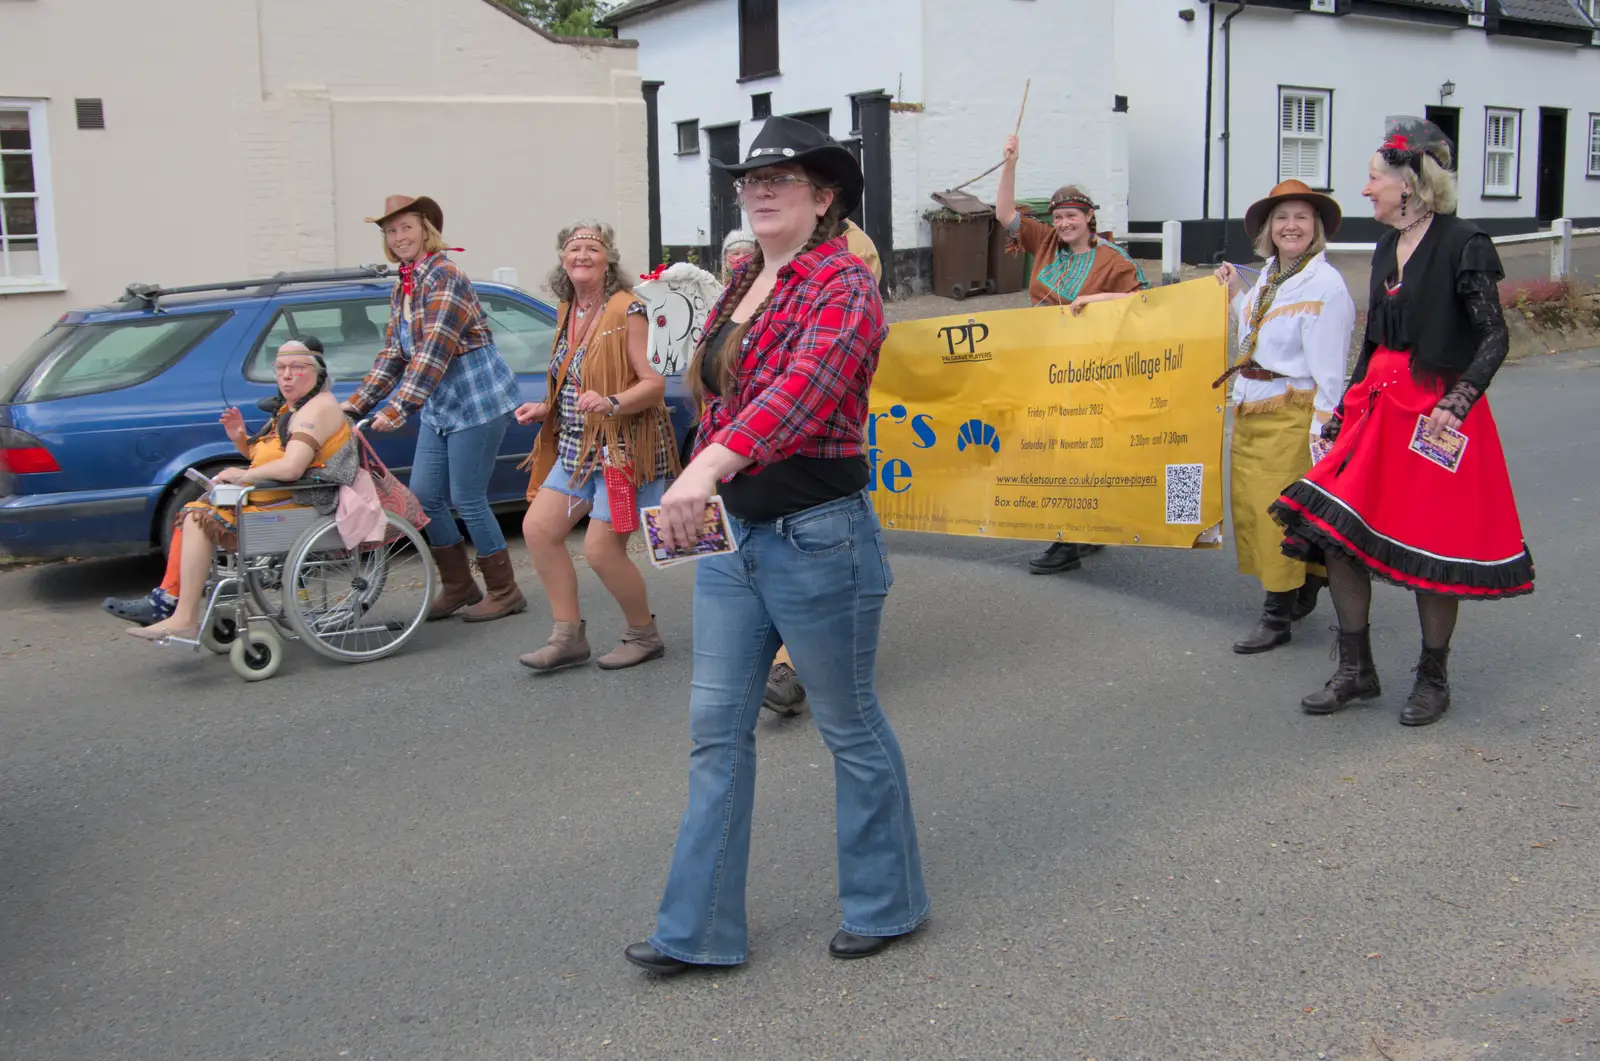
x,y
1211,66
1227,119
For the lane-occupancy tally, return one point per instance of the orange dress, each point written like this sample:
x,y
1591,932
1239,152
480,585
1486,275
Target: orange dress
x,y
218,523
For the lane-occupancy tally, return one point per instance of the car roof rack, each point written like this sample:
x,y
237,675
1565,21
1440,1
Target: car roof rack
x,y
149,294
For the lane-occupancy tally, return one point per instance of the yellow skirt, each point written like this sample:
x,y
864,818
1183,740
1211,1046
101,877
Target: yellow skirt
x,y
1271,449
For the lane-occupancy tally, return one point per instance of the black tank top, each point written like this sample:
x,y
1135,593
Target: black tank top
x,y
785,487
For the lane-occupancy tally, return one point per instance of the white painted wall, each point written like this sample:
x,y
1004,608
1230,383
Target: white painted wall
x,y
964,61
306,115
1375,67
827,50
978,55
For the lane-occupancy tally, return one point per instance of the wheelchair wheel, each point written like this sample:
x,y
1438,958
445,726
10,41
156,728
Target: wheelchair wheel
x,y
354,605
256,654
219,636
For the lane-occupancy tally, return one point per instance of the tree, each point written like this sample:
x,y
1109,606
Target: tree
x,y
564,18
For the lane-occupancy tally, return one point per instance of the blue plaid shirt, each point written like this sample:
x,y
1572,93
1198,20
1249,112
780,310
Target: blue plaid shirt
x,y
477,387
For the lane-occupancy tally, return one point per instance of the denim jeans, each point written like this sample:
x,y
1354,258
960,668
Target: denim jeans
x,y
816,581
453,470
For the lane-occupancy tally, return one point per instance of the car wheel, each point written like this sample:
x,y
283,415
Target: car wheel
x,y
186,491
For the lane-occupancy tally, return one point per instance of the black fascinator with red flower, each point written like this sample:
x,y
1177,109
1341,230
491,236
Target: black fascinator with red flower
x,y
1407,139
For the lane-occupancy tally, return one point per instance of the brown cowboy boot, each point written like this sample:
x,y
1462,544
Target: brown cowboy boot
x,y
457,589
568,646
504,598
640,644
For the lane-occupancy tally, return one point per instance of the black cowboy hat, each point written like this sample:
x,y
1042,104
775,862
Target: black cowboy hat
x,y
784,139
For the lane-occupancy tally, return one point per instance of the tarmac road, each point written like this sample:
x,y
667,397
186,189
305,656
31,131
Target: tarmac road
x,y
1137,846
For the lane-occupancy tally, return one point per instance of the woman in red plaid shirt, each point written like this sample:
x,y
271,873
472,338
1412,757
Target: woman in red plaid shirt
x,y
784,371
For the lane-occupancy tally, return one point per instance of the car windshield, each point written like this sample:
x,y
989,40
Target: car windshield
x,y
92,358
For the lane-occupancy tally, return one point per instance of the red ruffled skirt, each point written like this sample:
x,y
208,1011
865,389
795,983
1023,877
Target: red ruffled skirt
x,y
1406,519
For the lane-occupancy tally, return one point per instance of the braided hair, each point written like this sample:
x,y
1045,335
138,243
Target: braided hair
x,y
829,225
283,412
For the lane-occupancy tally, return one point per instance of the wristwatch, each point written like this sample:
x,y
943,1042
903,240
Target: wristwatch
x,y
615,404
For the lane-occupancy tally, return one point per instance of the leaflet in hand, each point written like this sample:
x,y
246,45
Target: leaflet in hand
x,y
1444,447
1319,449
716,536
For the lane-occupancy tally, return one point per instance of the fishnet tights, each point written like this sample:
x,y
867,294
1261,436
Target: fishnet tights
x,y
1350,586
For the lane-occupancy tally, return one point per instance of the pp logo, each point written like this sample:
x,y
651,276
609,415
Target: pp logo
x,y
977,433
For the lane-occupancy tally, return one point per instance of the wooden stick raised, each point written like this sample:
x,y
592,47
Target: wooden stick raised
x,y
1020,111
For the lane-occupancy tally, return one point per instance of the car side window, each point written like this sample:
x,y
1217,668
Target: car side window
x,y
522,334
352,334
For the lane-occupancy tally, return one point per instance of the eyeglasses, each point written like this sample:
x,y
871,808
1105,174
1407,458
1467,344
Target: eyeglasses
x,y
293,368
746,186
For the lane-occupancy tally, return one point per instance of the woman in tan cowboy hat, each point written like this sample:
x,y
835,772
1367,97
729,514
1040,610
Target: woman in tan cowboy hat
x,y
440,361
605,423
1294,328
1072,266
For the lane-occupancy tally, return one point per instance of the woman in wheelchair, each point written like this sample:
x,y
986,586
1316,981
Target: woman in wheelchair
x,y
309,436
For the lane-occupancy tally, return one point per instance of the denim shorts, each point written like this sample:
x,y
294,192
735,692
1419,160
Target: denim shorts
x,y
594,492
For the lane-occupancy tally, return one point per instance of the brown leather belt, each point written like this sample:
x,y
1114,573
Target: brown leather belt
x,y
1249,370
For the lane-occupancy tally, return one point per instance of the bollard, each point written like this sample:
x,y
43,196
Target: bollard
x,y
1171,251
506,274
1561,248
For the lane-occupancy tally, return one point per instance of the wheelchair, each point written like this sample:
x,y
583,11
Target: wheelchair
x,y
289,577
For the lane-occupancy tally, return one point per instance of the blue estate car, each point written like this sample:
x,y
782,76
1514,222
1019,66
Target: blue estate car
x,y
100,417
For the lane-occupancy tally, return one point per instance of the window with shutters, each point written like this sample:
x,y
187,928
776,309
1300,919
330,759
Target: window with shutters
x,y
1502,144
27,231
1594,145
1304,118
758,39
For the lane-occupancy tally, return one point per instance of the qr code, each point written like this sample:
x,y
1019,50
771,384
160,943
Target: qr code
x,y
1183,492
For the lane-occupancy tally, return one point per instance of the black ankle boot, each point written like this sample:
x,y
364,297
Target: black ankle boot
x,y
1430,696
1355,678
1305,601
1272,629
1059,557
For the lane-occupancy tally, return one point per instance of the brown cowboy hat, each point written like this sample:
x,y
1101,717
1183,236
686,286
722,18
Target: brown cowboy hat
x,y
1261,209
405,204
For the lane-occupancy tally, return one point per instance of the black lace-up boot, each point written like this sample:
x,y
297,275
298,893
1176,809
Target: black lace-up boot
x,y
1356,678
1430,695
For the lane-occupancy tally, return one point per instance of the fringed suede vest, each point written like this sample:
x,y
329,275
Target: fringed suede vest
x,y
605,370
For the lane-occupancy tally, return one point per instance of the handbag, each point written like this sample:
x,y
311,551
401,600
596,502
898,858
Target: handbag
x,y
393,495
622,494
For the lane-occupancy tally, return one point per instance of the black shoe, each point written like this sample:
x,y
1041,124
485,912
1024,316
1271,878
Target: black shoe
x,y
1430,696
1272,629
141,611
648,958
849,946
1061,556
1355,678
1306,597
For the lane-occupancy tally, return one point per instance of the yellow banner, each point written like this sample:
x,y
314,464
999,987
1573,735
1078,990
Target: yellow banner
x,y
1035,424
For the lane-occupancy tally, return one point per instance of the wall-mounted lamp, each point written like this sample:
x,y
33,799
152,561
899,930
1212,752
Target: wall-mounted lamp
x,y
1187,14
1446,90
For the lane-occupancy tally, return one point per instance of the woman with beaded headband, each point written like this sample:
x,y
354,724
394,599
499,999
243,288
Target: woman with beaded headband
x,y
1414,488
784,373
440,364
307,436
1072,266
1294,326
605,448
